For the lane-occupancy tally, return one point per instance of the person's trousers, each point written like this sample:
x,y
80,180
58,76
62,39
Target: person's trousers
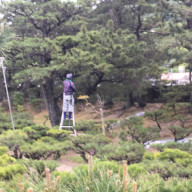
x,y
68,103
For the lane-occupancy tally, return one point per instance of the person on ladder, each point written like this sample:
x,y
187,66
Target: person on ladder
x,y
69,89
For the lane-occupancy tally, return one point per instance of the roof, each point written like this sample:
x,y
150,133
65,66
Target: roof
x,y
179,78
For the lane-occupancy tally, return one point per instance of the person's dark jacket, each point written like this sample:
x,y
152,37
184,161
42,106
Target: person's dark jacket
x,y
69,87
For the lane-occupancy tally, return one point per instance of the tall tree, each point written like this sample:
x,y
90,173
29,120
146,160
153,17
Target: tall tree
x,y
178,45
143,19
38,23
107,55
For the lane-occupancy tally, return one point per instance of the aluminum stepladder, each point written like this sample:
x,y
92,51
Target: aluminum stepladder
x,y
69,126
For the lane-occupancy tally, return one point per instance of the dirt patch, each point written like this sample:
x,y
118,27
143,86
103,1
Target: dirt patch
x,y
65,164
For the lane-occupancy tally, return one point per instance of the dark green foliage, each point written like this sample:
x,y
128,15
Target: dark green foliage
x,y
21,120
37,24
173,145
13,140
175,155
87,126
164,168
180,132
39,165
157,116
133,127
109,125
42,150
18,98
36,104
58,134
129,151
36,131
84,144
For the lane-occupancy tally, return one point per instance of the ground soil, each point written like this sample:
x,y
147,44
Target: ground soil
x,y
65,164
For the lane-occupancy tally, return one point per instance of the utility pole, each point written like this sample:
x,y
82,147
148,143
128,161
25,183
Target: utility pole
x,y
9,103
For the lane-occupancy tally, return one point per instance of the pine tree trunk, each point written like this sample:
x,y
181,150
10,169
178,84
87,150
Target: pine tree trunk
x,y
51,102
130,100
140,102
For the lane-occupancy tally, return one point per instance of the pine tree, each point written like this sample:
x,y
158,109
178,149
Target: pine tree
x,y
37,23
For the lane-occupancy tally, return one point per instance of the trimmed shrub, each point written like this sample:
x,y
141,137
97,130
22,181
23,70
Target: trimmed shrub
x,y
3,150
135,170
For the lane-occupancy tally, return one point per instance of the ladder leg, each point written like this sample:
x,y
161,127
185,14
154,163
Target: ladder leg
x,y
62,115
75,132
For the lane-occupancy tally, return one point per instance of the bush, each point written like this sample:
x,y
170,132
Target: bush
x,y
36,131
58,134
88,126
129,151
107,165
39,165
9,167
52,165
164,168
84,144
135,170
66,177
18,98
36,103
133,128
42,150
174,155
173,145
3,150
149,155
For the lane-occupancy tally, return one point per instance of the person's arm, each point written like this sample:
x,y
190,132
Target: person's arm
x,y
63,86
73,86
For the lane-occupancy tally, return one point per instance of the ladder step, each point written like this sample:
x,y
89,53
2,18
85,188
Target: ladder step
x,y
67,126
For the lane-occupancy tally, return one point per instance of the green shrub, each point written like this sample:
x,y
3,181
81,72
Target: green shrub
x,y
174,155
38,165
183,172
135,170
3,150
129,151
9,167
164,168
36,131
107,165
58,134
173,145
18,98
84,144
20,108
52,165
36,103
133,128
149,155
66,177
88,126
42,150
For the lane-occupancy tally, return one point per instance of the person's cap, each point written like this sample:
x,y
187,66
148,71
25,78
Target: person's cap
x,y
69,76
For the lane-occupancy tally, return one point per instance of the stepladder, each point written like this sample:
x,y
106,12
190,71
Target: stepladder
x,y
68,114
